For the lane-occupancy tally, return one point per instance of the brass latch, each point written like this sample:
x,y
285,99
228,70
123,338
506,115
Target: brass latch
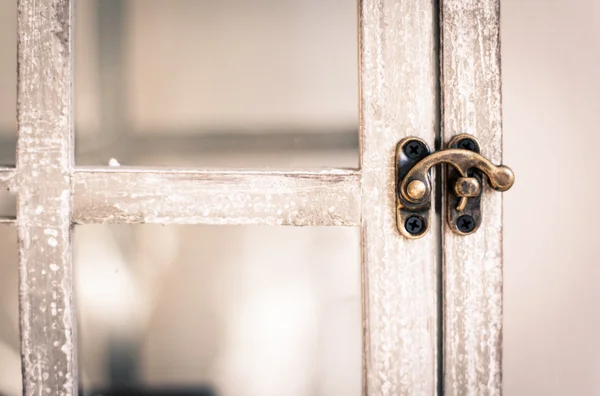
x,y
464,179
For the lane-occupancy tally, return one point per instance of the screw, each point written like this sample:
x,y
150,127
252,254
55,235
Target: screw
x,y
465,223
414,225
467,144
414,149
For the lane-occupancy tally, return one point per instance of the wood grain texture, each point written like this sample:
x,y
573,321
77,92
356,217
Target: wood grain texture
x,y
44,163
398,99
473,264
122,195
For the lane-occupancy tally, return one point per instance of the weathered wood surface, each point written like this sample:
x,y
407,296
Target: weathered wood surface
x,y
44,163
473,264
297,198
398,99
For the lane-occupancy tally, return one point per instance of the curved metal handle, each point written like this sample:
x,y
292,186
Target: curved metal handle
x,y
416,186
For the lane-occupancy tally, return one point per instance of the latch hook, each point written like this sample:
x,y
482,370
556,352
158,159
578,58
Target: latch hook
x,y
463,178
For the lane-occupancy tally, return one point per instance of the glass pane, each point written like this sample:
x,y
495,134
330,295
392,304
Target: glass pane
x,y
223,310
10,359
8,81
197,83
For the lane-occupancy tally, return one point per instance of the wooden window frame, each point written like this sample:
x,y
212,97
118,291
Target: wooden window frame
x,y
430,326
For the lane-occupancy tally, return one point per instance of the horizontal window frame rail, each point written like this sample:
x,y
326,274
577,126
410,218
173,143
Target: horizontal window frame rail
x,y
134,195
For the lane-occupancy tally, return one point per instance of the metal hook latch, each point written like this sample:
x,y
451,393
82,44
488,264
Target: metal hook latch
x,y
464,178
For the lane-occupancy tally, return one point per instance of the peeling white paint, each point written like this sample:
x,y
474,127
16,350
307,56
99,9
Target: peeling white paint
x,y
42,180
473,264
51,231
398,80
216,197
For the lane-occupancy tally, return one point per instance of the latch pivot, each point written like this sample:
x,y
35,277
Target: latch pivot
x,y
466,173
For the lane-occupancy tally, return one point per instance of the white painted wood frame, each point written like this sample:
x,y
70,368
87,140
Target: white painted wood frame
x,y
398,71
398,98
471,103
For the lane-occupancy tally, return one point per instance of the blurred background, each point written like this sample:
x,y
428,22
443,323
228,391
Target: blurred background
x,y
248,311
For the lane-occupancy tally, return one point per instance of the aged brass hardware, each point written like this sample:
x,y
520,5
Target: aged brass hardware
x,y
412,218
465,179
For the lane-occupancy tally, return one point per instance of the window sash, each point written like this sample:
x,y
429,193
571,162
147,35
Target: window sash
x,y
402,288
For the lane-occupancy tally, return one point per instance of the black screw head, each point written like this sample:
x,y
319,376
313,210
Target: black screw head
x,y
467,144
414,225
465,223
414,149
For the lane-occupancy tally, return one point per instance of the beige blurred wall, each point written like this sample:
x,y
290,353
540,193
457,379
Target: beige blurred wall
x,y
551,86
